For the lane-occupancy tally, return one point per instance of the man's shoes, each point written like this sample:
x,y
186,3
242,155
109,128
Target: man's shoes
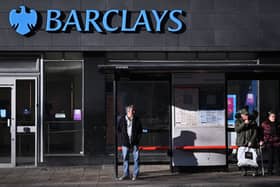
x,y
123,177
134,178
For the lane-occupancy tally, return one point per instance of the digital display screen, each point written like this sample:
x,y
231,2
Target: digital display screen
x,y
231,108
250,99
3,113
77,115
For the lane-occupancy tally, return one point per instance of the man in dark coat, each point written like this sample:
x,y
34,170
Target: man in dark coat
x,y
130,130
246,130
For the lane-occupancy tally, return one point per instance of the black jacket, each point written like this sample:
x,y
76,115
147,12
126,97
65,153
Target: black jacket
x,y
246,133
136,131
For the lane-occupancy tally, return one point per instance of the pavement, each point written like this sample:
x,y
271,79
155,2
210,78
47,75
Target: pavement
x,y
103,175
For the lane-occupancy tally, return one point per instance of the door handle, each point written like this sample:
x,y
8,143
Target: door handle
x,y
8,122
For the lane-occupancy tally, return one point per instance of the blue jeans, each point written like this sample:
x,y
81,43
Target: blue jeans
x,y
125,154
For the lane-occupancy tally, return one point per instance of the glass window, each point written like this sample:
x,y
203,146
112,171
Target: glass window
x,y
152,102
63,123
241,93
25,102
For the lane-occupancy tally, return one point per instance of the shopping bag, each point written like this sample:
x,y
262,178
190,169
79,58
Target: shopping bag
x,y
247,157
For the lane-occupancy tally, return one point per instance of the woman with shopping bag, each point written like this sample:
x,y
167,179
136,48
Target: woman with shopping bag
x,y
270,139
247,142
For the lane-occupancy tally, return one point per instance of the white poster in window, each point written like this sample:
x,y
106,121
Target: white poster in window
x,y
212,117
186,106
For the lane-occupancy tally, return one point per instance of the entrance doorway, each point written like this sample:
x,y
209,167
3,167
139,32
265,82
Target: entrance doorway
x,y
18,121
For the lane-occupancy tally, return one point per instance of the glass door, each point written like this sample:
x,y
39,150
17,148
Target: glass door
x,y
7,135
18,121
26,122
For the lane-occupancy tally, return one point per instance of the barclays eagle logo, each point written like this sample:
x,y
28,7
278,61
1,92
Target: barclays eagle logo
x,y
23,21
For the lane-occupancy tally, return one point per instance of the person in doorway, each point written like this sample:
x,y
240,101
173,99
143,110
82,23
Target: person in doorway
x,y
246,129
270,139
130,130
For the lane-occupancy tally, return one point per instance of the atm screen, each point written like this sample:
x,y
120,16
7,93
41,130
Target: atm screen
x,y
3,113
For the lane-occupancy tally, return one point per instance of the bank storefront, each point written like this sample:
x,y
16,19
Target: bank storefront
x,y
68,69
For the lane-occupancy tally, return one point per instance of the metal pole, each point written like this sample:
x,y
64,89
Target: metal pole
x,y
262,167
170,150
41,109
115,123
226,118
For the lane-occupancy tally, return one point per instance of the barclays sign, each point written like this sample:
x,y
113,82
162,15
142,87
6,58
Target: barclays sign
x,y
25,21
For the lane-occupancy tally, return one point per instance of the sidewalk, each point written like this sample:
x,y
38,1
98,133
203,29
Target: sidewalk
x,y
152,175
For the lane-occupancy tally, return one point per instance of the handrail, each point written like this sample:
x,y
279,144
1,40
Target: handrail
x,y
166,148
207,147
150,148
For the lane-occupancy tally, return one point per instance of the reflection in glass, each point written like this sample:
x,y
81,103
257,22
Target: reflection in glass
x,y
25,145
241,93
25,102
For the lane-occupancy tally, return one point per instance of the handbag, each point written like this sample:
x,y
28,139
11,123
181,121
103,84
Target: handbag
x,y
247,157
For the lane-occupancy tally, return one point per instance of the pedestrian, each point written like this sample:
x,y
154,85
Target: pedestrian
x,y
130,130
270,139
246,129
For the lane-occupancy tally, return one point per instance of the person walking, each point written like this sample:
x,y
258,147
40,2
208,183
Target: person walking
x,y
246,130
130,130
270,139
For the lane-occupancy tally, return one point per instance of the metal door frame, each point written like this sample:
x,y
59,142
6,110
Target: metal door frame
x,y
10,82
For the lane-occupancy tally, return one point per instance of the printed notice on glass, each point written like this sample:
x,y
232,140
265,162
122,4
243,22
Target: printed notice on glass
x,y
212,117
186,107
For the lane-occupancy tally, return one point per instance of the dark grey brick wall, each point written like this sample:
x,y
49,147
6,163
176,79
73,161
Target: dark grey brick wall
x,y
212,25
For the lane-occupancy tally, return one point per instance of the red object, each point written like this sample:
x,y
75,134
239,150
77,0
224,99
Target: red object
x,y
149,148
207,147
163,148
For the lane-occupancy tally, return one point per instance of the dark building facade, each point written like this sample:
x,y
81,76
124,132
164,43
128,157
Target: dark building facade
x,y
69,67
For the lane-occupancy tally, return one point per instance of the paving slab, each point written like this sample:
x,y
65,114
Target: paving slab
x,y
103,175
